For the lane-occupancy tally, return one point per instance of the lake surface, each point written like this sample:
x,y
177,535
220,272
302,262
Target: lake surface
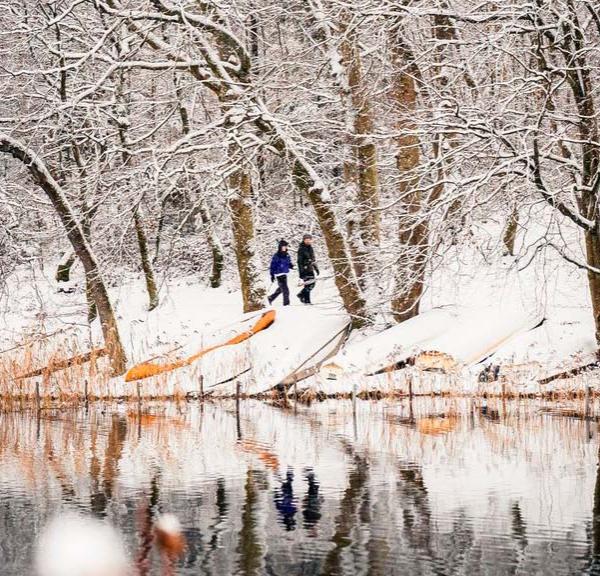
x,y
433,486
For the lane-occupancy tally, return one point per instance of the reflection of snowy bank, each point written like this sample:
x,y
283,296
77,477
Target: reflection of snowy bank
x,y
442,462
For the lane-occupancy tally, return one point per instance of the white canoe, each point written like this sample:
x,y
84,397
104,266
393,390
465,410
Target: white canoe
x,y
475,335
391,346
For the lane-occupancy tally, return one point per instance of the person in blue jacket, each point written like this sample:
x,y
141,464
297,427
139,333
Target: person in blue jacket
x,y
281,264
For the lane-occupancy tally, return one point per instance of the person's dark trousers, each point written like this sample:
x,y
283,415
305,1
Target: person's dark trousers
x,y
309,284
282,288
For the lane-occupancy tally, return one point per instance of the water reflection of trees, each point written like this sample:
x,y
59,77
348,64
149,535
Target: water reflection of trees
x,y
249,548
270,508
347,518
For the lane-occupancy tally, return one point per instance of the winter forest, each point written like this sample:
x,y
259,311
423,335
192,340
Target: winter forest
x,y
425,144
299,287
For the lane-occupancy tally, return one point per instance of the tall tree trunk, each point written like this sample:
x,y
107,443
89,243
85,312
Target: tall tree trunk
x,y
364,149
360,168
74,231
255,33
413,227
92,313
242,221
145,259
447,50
592,248
336,247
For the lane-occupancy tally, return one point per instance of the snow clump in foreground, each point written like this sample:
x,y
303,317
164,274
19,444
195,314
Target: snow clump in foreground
x,y
75,545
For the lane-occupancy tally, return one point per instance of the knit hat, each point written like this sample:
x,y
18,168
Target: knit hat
x,y
282,243
307,236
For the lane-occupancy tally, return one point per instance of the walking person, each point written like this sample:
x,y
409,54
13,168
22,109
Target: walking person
x,y
281,264
307,268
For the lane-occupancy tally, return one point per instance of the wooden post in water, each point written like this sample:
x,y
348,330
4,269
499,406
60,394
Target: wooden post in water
x,y
237,410
587,400
139,399
86,393
295,392
354,423
38,400
202,387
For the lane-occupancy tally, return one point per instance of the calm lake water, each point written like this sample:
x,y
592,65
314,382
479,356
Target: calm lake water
x,y
429,487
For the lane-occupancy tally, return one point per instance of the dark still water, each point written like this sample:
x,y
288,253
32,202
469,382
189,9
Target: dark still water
x,y
433,487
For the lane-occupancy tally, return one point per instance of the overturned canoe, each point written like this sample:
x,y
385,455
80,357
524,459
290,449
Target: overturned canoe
x,y
292,350
390,347
561,348
476,335
148,369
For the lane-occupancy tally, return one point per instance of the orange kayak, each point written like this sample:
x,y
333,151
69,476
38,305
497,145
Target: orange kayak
x,y
148,369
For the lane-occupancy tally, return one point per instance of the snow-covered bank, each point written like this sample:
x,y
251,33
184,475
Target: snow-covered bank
x,y
490,322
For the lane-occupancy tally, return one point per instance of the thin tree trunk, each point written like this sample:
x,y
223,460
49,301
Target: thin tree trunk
x,y
357,252
74,231
145,259
255,32
510,232
140,232
360,168
207,223
63,270
214,244
356,245
159,230
86,224
447,50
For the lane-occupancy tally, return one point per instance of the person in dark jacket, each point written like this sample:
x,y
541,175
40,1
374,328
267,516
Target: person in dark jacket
x,y
281,264
307,268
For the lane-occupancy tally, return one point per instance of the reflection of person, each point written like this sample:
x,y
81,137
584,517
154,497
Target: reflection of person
x,y
307,268
281,263
285,502
311,505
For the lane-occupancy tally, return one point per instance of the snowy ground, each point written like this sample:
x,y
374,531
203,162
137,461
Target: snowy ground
x,y
484,302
